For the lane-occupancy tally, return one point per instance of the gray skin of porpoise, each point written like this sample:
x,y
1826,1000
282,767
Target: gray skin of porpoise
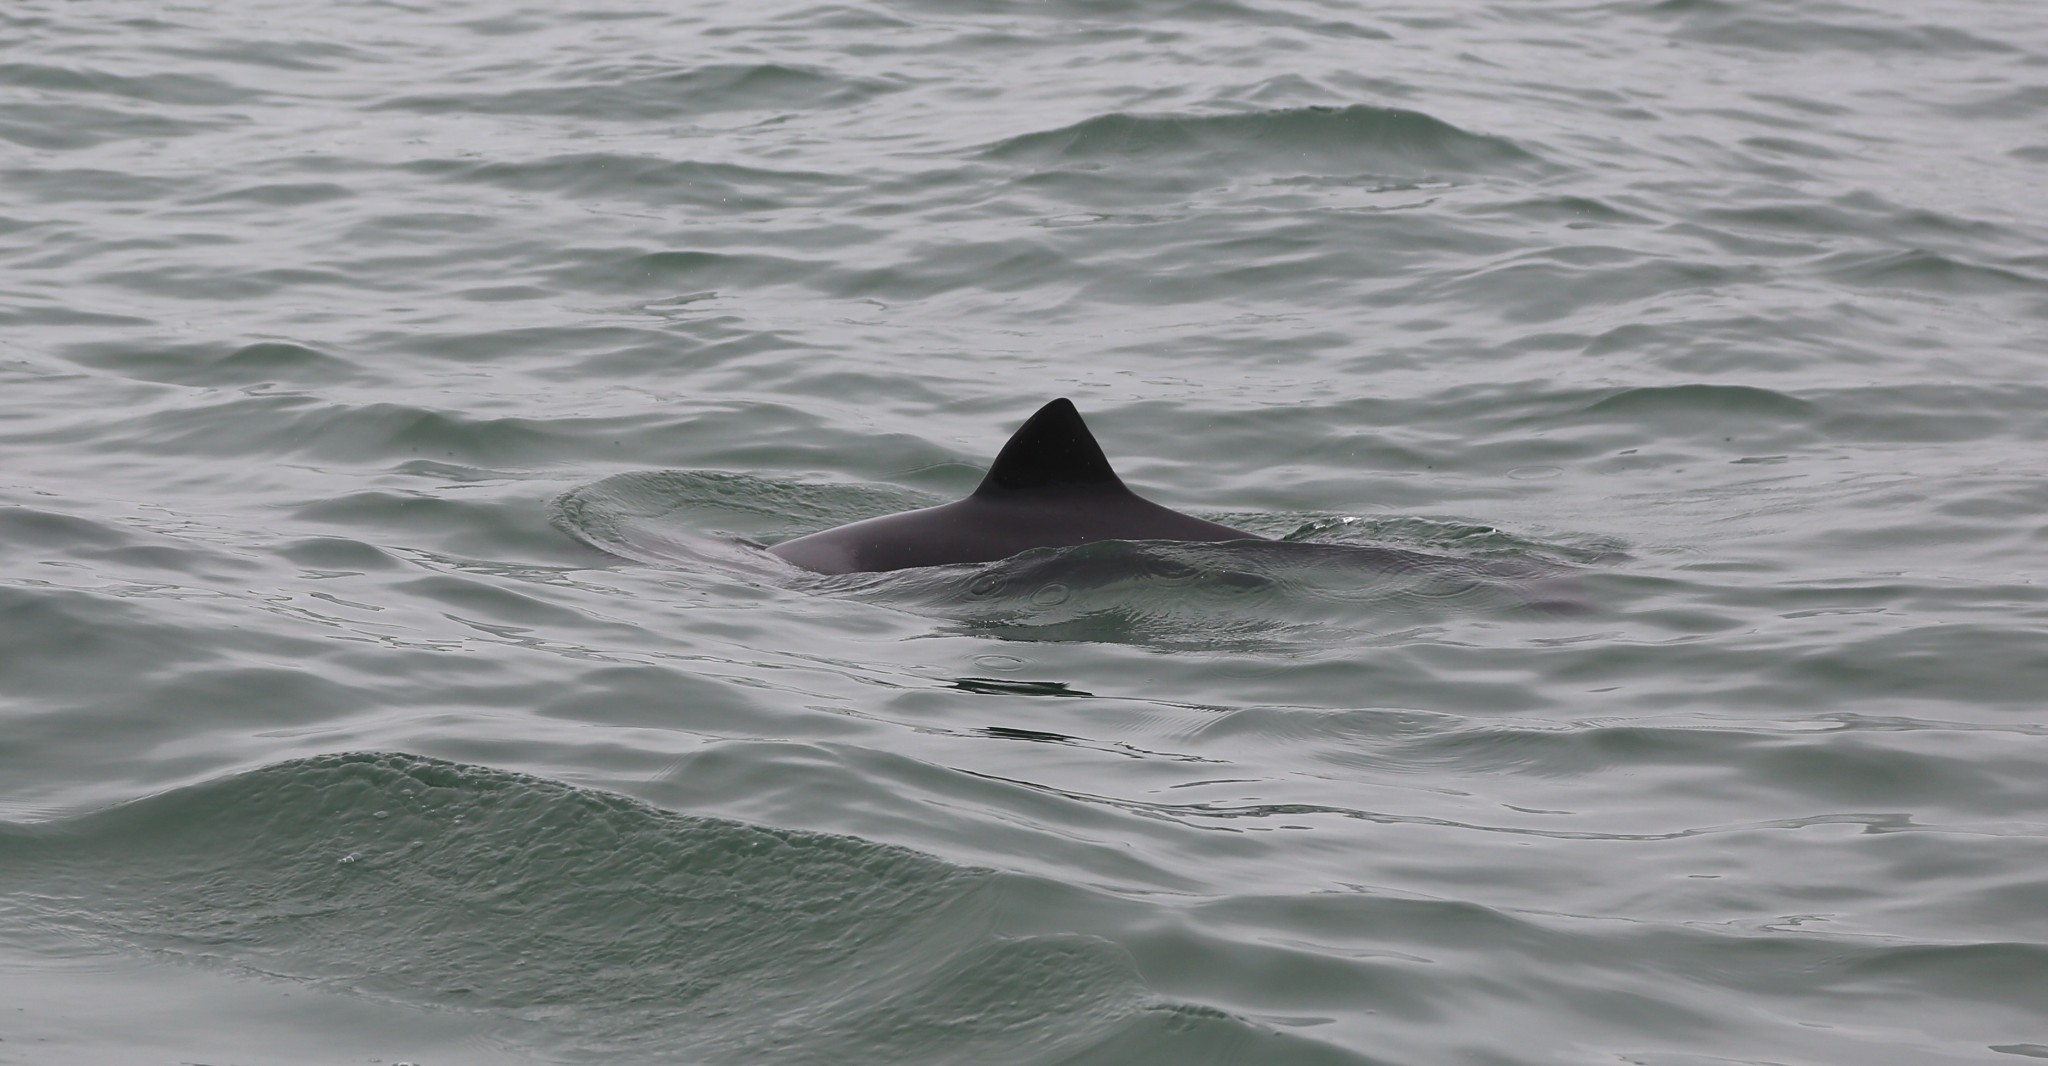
x,y
1050,487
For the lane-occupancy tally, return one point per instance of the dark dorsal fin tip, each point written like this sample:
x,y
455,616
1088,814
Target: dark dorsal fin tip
x,y
1053,448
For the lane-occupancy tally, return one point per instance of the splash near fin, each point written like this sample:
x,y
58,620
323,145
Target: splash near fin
x,y
1052,450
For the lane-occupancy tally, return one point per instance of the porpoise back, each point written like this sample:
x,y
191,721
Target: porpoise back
x,y
1050,487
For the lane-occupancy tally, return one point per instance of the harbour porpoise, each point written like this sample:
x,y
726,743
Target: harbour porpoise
x,y
1050,487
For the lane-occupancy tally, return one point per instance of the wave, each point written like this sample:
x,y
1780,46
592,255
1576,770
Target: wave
x,y
611,95
1358,137
600,926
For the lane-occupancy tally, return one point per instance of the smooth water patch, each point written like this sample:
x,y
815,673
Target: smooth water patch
x,y
1356,580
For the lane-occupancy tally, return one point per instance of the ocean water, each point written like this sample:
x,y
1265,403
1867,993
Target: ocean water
x,y
394,398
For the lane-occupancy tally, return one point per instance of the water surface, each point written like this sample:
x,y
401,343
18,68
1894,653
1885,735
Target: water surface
x,y
394,394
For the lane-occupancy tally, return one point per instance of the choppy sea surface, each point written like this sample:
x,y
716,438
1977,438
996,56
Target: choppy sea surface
x,y
394,398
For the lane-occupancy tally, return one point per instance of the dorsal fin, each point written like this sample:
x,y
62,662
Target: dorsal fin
x,y
1052,449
